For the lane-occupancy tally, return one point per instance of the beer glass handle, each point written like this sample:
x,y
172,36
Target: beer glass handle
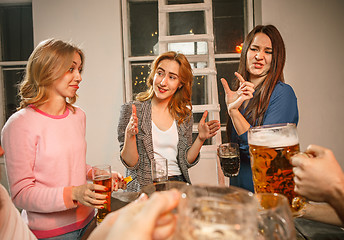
x,y
275,226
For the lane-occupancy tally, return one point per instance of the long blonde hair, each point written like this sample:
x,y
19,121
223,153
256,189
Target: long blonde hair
x,y
49,61
181,99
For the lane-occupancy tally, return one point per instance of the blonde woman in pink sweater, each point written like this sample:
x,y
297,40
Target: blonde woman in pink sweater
x,y
45,147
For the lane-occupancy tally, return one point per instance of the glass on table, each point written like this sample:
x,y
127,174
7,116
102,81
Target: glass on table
x,y
102,176
159,170
213,212
229,159
271,148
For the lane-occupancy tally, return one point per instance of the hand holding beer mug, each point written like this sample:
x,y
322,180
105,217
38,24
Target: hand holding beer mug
x,y
271,148
229,158
102,176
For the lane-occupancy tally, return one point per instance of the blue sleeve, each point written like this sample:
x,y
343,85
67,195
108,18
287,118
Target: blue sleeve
x,y
282,106
282,109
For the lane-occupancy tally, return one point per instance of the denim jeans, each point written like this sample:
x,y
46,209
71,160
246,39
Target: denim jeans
x,y
75,235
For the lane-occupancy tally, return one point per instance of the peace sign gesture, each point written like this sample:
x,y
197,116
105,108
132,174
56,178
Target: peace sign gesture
x,y
244,92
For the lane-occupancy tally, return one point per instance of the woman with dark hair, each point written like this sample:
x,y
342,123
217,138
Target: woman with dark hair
x,y
260,95
159,124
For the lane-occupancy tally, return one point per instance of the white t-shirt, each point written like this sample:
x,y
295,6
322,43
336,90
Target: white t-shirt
x,y
165,145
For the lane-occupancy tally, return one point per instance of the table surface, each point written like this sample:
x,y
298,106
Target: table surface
x,y
305,229
314,230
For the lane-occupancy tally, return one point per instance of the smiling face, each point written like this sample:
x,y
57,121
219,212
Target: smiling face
x,y
259,56
68,84
166,80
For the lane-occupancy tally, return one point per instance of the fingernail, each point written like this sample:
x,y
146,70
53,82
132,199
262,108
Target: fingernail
x,y
105,202
106,189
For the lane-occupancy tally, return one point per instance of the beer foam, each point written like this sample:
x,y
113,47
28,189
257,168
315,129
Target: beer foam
x,y
270,139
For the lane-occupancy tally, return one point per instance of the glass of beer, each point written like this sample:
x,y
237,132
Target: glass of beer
x,y
229,159
271,148
213,212
159,172
102,176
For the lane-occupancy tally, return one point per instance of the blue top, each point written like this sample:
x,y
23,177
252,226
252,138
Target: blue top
x,y
282,109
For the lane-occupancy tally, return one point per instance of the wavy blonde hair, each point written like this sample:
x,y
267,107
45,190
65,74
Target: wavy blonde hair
x,y
181,99
48,62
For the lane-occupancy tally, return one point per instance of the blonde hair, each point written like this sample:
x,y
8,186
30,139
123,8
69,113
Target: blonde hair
x,y
49,61
181,99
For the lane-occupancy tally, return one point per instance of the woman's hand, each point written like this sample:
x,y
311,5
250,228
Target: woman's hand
x,y
85,195
132,127
207,129
118,181
235,99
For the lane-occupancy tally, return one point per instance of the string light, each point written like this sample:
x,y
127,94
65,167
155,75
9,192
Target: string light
x,y
238,48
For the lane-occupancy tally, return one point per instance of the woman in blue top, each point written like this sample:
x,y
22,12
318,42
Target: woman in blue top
x,y
261,97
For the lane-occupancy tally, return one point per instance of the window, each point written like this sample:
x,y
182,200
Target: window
x,y
16,45
207,31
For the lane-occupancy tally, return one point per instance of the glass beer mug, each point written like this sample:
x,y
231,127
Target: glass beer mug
x,y
213,213
271,148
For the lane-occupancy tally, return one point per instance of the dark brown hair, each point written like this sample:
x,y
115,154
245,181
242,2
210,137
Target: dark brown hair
x,y
258,105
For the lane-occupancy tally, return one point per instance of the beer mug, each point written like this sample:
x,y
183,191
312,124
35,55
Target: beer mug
x,y
213,212
275,220
229,155
271,148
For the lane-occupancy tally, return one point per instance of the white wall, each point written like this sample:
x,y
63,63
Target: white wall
x,y
313,33
96,26
311,29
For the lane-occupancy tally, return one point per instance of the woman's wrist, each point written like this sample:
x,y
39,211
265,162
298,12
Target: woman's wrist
x,y
233,111
199,138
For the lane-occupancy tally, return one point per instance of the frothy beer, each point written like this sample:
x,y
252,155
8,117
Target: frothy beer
x,y
271,148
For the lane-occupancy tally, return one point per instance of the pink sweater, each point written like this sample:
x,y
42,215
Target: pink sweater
x,y
45,156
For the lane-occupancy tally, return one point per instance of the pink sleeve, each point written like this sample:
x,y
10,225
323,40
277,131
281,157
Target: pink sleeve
x,y
20,151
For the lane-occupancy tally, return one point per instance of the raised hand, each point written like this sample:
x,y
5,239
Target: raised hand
x,y
132,127
244,92
207,129
85,195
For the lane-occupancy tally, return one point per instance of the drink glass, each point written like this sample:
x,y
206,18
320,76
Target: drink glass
x,y
159,170
229,159
275,220
213,212
271,148
102,176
